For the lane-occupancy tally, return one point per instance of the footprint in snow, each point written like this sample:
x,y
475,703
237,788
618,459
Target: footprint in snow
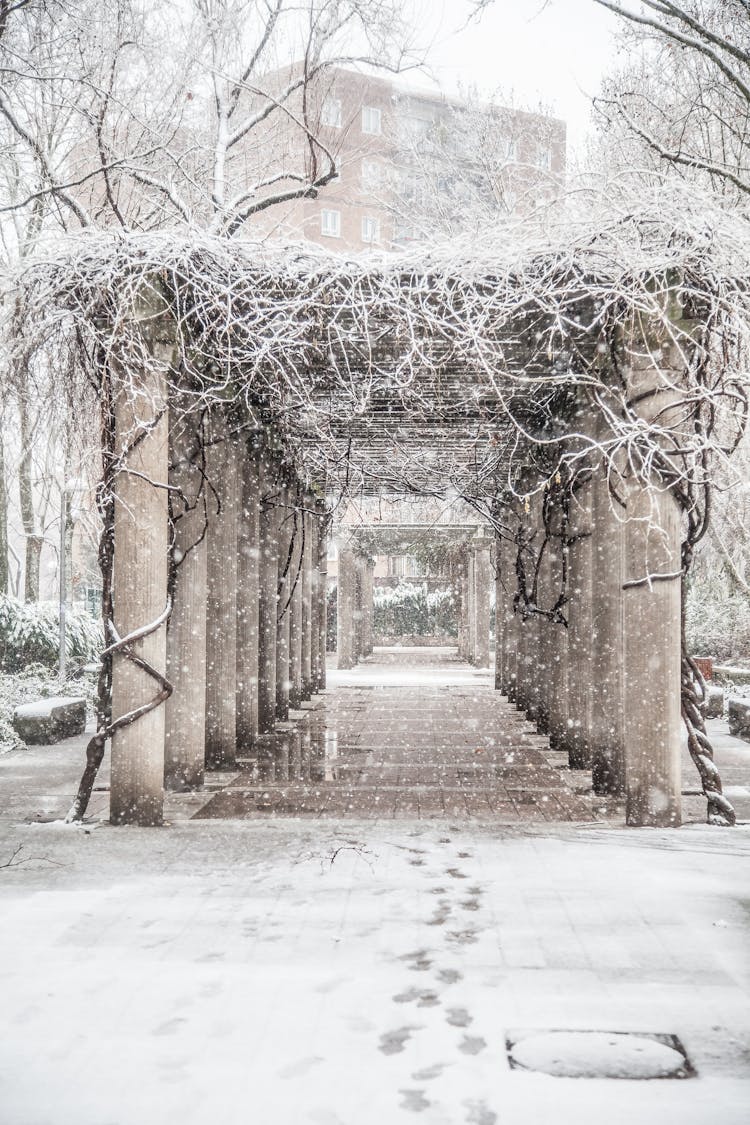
x,y
420,962
414,1100
479,1114
472,1044
423,997
463,937
428,1072
302,1066
393,1042
449,976
458,1017
441,915
170,1026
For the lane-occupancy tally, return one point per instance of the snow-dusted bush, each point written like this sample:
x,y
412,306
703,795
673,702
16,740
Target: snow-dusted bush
x,y
718,621
411,610
29,634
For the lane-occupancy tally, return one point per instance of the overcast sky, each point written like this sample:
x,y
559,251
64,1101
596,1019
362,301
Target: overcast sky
x,y
556,52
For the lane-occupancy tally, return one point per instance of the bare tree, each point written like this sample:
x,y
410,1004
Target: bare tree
x,y
687,99
203,114
137,118
684,96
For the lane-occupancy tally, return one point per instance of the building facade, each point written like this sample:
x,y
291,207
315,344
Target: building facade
x,y
412,164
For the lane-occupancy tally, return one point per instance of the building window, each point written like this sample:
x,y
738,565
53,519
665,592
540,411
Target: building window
x,y
371,122
330,223
371,174
413,190
416,128
544,159
404,231
370,229
509,149
330,114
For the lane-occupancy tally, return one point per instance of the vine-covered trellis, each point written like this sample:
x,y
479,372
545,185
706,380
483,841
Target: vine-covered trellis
x,y
497,375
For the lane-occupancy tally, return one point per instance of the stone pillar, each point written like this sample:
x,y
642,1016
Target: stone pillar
x,y
283,614
500,615
139,580
580,629
522,697
462,591
248,585
471,618
296,583
556,642
608,685
223,470
321,632
652,590
482,589
346,608
510,630
308,617
523,693
185,740
367,606
652,734
268,580
533,626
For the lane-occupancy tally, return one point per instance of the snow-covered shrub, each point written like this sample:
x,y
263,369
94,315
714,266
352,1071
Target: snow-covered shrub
x,y
9,737
411,610
718,621
29,634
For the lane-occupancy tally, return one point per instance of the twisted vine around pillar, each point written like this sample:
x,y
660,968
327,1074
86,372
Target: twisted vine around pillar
x,y
693,687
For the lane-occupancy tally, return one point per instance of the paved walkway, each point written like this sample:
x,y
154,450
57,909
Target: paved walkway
x,y
408,733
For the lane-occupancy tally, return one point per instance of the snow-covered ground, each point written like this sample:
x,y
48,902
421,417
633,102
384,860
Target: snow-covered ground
x,y
329,972
351,974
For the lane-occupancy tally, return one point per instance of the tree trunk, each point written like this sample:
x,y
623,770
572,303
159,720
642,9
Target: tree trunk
x,y
28,519
4,573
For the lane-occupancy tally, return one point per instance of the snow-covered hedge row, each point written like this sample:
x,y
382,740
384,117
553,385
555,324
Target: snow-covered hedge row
x,y
29,634
411,610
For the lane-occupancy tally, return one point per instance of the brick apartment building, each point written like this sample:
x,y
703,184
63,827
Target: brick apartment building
x,y
411,162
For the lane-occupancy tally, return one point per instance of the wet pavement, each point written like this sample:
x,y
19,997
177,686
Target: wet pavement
x,y
409,733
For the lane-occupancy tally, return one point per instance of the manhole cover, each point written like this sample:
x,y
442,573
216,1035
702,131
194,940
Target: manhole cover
x,y
600,1054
